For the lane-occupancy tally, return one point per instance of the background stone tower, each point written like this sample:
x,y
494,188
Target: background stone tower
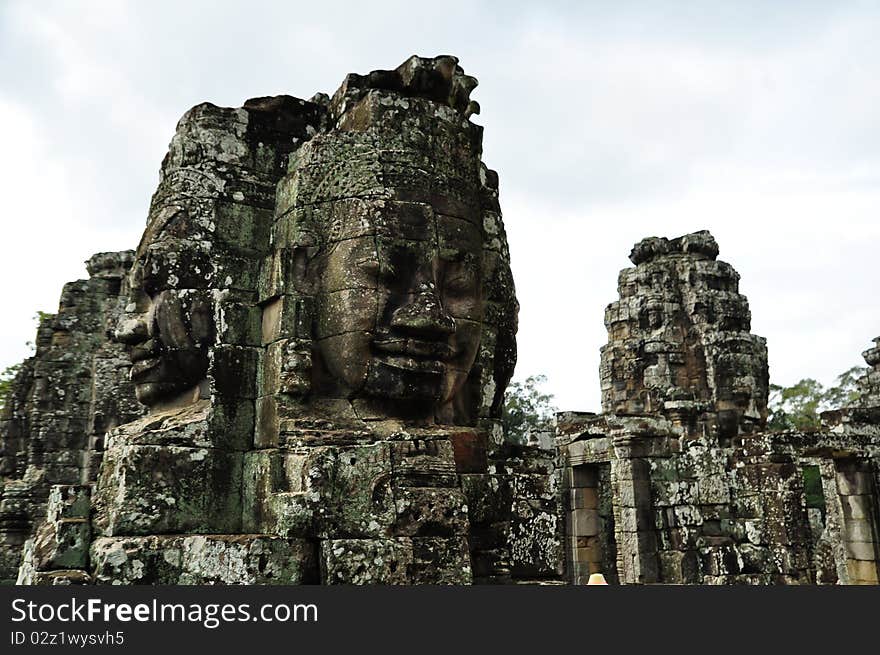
x,y
679,344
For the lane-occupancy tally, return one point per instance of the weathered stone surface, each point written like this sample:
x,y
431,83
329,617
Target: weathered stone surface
x,y
203,559
679,341
64,398
697,492
168,489
401,560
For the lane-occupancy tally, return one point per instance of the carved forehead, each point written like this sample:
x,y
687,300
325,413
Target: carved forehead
x,y
328,223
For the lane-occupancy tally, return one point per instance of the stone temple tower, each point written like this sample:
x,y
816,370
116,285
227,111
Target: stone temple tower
x,y
679,344
678,480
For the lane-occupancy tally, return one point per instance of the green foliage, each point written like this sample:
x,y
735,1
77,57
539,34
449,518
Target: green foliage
x,y
813,493
798,406
846,390
526,408
9,373
6,378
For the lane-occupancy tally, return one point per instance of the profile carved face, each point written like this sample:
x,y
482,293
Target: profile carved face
x,y
398,306
167,330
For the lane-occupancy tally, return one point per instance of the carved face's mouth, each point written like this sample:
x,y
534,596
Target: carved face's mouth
x,y
144,359
414,348
413,355
143,366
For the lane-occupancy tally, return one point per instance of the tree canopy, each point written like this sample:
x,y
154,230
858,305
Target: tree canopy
x,y
526,408
798,406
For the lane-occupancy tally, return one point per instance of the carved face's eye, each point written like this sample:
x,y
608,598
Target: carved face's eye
x,y
370,266
461,279
150,286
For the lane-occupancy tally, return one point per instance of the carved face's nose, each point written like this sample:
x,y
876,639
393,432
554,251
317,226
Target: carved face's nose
x,y
424,316
132,329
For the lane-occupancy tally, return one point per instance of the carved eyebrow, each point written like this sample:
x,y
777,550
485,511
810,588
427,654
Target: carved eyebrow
x,y
453,254
371,264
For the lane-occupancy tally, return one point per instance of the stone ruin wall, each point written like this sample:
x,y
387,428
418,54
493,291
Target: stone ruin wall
x,y
271,445
64,400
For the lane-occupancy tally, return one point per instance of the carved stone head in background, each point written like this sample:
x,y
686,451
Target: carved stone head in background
x,y
168,327
679,342
193,286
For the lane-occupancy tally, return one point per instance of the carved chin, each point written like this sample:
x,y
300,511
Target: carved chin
x,y
397,381
161,379
406,380
153,393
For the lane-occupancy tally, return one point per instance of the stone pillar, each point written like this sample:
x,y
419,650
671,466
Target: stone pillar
x,y
633,517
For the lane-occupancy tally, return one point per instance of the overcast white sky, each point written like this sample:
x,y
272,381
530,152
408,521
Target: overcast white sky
x,y
607,122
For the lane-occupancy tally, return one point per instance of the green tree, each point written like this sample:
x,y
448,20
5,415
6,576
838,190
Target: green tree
x,y
9,373
526,408
6,378
846,390
798,407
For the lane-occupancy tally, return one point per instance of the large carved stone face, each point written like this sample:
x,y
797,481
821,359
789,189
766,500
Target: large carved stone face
x,y
398,311
168,332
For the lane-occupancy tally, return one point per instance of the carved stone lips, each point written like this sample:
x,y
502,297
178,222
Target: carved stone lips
x,y
143,366
414,348
414,354
143,360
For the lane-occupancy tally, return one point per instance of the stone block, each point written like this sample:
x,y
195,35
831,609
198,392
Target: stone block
x,y
747,506
238,323
429,512
754,559
853,482
231,423
537,486
688,515
62,544
68,502
583,522
856,507
440,561
223,426
862,550
859,530
535,540
366,561
591,551
273,499
232,372
664,469
293,367
670,566
151,489
204,559
583,498
862,572
352,488
267,427
242,226
713,490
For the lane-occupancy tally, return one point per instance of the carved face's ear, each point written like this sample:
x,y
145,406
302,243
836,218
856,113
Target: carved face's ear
x,y
133,283
302,265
